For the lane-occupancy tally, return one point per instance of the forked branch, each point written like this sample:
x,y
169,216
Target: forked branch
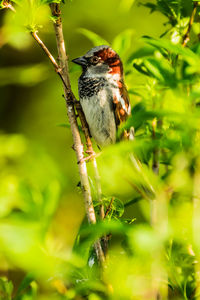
x,y
63,60
55,9
62,71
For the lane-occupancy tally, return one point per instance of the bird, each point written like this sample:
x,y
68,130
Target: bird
x,y
102,93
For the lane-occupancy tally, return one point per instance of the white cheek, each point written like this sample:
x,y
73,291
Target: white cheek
x,y
90,72
113,77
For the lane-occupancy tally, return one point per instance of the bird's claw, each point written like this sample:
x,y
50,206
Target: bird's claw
x,y
87,158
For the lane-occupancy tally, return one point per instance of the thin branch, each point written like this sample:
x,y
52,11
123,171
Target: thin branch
x,y
8,5
90,151
155,165
109,207
106,238
134,186
46,51
55,9
186,37
70,101
98,186
82,119
62,71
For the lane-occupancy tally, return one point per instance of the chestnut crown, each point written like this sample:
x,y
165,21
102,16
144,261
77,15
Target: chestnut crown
x,y
99,60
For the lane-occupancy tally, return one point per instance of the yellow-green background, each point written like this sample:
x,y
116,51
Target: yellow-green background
x,y
32,106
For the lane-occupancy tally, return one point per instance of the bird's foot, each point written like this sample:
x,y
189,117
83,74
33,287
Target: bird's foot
x,y
88,158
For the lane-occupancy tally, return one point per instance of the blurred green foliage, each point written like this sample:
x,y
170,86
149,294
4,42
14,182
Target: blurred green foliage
x,y
150,186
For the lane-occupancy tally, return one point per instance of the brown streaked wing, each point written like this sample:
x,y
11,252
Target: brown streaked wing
x,y
121,114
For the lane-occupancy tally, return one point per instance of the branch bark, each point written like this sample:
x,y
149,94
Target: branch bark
x,y
63,71
55,9
56,12
186,37
8,5
109,207
155,165
63,62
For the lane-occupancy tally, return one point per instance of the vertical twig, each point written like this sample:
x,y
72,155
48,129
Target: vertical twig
x,y
55,9
196,225
186,37
154,213
65,79
46,51
158,221
109,207
155,165
93,159
70,99
98,186
62,70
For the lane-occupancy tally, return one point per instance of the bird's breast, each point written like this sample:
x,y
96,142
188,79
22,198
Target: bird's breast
x,y
99,112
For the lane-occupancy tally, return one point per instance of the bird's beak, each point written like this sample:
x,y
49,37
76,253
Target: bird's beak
x,y
80,61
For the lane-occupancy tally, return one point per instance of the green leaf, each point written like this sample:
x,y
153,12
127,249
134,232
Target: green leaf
x,y
51,199
6,288
102,228
115,205
28,253
91,233
122,42
118,207
142,52
120,162
186,53
172,9
24,285
96,39
153,7
125,5
132,201
158,68
42,2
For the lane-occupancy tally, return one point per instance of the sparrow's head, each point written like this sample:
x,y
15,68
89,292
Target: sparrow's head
x,y
100,61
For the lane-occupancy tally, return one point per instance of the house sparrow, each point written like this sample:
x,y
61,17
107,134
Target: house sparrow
x,y
103,94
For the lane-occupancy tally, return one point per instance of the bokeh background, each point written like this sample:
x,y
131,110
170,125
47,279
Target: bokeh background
x,y
45,242
32,107
38,170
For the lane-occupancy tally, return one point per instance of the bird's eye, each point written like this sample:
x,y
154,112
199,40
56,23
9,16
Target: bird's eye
x,y
94,60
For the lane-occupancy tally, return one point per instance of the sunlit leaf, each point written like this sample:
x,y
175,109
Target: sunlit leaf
x,y
122,42
93,37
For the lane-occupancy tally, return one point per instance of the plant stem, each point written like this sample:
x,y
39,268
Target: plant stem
x,y
93,159
62,70
8,5
196,225
63,59
55,9
155,165
157,218
70,99
186,37
46,50
109,207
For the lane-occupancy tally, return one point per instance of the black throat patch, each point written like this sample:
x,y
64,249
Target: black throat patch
x,y
89,87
